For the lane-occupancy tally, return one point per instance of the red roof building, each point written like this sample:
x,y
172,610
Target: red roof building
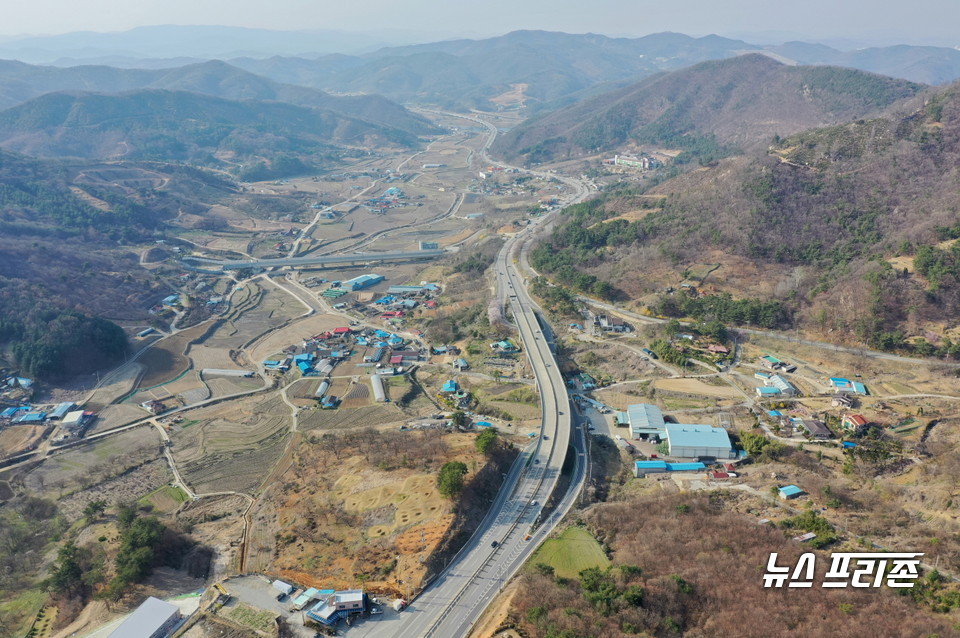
x,y
854,421
342,331
719,475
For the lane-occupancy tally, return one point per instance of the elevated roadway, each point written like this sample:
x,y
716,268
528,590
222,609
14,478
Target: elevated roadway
x,y
312,260
517,522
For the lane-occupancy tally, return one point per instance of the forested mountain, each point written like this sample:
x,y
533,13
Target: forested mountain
x,y
852,227
181,126
21,82
709,110
60,267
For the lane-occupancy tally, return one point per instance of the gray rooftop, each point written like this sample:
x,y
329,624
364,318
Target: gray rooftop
x,y
697,436
148,617
644,416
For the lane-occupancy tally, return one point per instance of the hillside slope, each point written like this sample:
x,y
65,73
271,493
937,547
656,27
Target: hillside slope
x,y
853,227
712,108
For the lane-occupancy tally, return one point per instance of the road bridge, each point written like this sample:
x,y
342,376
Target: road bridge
x,y
208,265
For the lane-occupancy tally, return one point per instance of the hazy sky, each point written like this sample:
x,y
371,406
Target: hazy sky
x,y
913,21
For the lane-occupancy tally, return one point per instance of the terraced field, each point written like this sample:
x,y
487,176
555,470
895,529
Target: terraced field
x,y
343,418
233,447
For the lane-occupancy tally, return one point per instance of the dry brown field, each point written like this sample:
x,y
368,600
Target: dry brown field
x,y
696,386
233,446
17,438
343,419
91,463
124,381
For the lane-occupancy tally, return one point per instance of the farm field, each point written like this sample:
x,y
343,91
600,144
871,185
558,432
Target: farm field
x,y
165,499
17,438
234,446
166,359
90,463
574,550
129,487
117,415
124,382
343,419
223,386
696,386
184,390
204,356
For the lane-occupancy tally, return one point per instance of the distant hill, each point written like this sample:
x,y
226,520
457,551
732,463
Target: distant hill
x,y
181,126
470,72
21,82
556,67
928,65
710,109
196,41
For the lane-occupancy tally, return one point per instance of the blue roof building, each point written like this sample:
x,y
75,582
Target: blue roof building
x,y
31,417
789,491
685,467
11,413
61,410
363,281
642,468
450,386
308,357
305,367
172,300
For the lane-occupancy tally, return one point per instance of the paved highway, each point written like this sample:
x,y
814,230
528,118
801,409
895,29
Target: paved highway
x,y
313,260
515,525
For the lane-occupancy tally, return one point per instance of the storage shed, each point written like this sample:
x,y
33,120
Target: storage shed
x,y
153,619
699,441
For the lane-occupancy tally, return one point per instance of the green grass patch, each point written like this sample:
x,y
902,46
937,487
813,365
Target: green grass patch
x,y
165,499
250,617
901,388
17,614
571,552
685,404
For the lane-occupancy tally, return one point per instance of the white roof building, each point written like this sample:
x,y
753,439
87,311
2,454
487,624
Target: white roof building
x,y
153,619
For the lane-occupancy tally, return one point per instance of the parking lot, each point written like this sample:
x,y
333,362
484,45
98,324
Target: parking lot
x,y
257,591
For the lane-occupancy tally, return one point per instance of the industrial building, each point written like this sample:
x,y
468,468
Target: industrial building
x,y
699,441
153,619
363,281
645,420
643,468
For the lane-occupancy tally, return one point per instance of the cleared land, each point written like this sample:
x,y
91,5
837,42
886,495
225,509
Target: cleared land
x,y
17,438
696,386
